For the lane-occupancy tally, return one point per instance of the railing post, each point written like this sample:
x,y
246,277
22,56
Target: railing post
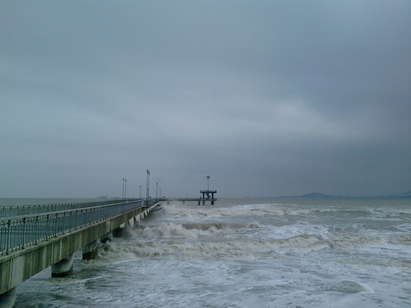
x,y
8,236
24,232
36,228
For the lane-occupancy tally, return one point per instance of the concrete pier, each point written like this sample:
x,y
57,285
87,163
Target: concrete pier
x,y
90,251
57,251
8,299
107,238
63,267
118,232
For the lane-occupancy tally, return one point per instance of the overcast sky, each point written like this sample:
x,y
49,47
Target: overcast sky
x,y
267,97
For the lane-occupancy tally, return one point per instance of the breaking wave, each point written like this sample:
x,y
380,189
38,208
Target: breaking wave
x,y
227,240
217,248
263,209
188,231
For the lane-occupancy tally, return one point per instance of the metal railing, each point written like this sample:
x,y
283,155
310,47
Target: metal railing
x,y
19,210
21,232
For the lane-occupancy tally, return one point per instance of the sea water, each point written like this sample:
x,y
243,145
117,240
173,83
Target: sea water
x,y
246,253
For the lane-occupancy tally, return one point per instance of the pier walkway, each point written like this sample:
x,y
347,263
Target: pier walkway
x,y
35,237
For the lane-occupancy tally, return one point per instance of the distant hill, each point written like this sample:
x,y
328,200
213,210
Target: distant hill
x,y
402,195
316,195
319,196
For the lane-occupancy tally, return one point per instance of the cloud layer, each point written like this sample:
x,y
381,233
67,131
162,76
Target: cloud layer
x,y
268,97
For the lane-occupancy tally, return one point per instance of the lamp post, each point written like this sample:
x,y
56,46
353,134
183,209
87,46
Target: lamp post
x,y
124,188
148,186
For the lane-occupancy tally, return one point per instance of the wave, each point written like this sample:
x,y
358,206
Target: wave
x,y
233,239
348,286
188,230
217,248
206,233
276,209
266,209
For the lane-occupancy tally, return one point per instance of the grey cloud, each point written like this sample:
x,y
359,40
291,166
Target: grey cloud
x,y
269,97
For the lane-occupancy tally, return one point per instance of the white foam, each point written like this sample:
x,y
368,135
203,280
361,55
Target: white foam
x,y
264,209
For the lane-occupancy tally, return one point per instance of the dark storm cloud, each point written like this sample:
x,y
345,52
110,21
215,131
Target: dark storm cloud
x,y
269,97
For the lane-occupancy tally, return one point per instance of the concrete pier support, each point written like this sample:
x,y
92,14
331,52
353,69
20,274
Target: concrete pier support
x,y
107,238
62,268
8,299
118,232
90,251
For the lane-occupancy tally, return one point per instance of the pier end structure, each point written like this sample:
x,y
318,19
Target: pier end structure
x,y
207,195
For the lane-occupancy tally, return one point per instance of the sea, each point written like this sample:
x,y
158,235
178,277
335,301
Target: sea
x,y
246,253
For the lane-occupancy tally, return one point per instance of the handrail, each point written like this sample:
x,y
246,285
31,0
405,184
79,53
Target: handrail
x,y
24,231
18,210
17,217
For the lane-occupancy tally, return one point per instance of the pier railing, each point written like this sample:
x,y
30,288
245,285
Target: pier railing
x,y
19,210
23,231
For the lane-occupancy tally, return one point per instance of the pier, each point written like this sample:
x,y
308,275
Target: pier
x,y
206,195
32,238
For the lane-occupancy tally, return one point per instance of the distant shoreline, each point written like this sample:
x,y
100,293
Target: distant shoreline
x,y
326,196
